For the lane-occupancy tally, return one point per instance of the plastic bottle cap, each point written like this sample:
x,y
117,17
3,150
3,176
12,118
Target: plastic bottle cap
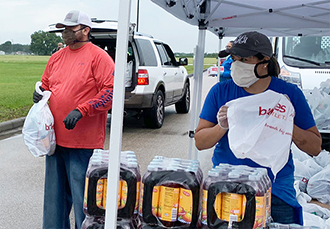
x,y
253,177
152,168
233,175
212,173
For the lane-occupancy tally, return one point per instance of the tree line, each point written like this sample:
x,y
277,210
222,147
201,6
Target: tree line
x,y
43,44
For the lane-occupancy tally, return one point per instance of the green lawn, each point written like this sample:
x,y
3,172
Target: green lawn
x,y
18,75
207,63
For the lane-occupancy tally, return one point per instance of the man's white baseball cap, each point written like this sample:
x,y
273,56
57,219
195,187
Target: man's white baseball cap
x,y
74,18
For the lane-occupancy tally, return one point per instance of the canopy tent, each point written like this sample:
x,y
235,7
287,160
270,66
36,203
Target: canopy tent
x,y
232,17
273,18
224,18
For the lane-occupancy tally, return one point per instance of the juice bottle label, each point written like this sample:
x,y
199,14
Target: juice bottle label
x,y
99,193
168,203
260,212
136,209
155,199
218,205
141,199
185,206
269,203
204,207
104,198
232,207
120,193
243,206
124,190
86,193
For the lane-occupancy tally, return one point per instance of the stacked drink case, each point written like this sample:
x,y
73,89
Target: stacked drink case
x,y
236,196
96,190
170,193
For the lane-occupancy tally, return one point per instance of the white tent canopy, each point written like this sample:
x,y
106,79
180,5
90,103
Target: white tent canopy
x,y
224,18
232,17
273,18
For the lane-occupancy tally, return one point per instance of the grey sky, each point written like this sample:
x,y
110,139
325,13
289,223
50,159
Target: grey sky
x,y
21,18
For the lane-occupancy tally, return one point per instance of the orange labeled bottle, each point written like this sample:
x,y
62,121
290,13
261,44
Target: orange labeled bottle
x,y
155,194
260,214
268,185
99,192
168,204
185,206
124,190
212,176
232,203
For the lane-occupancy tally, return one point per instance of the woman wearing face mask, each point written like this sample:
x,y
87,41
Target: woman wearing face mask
x,y
255,70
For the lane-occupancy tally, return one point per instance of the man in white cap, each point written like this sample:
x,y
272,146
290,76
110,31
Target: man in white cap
x,y
80,78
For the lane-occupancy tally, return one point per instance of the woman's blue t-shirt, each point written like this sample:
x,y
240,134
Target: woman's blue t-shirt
x,y
225,91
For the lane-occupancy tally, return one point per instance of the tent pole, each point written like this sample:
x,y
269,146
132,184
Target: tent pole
x,y
198,85
193,109
116,130
220,45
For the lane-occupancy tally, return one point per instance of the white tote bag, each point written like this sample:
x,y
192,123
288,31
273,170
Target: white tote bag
x,y
38,129
260,128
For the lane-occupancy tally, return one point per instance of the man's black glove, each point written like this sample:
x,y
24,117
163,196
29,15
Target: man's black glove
x,y
71,120
36,96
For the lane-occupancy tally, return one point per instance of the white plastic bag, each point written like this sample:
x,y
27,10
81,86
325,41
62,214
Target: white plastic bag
x,y
304,171
323,159
38,129
314,221
260,128
318,186
319,102
298,154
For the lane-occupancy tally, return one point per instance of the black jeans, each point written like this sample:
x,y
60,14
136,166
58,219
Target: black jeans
x,y
281,211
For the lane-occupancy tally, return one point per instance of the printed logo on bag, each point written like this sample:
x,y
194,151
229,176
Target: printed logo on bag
x,y
49,127
270,111
279,107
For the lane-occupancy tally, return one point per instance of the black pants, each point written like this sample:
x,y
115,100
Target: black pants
x,y
281,211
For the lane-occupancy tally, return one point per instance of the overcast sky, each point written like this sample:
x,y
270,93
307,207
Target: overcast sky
x,y
21,18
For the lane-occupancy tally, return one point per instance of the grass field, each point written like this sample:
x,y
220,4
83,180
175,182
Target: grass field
x,y
18,75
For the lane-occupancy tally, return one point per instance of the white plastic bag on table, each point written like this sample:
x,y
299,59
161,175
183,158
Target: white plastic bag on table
x,y
316,210
312,220
38,129
323,159
304,171
318,186
260,128
298,154
319,102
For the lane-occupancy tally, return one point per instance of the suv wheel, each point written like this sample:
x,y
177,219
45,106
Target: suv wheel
x,y
154,117
182,107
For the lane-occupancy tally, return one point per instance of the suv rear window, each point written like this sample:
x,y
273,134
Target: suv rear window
x,y
146,53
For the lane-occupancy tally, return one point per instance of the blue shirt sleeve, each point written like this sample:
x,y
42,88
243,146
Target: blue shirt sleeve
x,y
211,107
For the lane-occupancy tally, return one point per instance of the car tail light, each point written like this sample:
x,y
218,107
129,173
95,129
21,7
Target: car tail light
x,y
143,77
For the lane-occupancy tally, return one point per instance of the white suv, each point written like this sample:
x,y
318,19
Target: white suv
x,y
154,79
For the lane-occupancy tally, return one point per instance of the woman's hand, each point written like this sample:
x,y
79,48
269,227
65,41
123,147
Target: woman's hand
x,y
222,117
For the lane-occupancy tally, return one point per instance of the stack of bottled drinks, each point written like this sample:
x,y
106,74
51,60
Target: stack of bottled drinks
x,y
170,193
236,196
96,190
